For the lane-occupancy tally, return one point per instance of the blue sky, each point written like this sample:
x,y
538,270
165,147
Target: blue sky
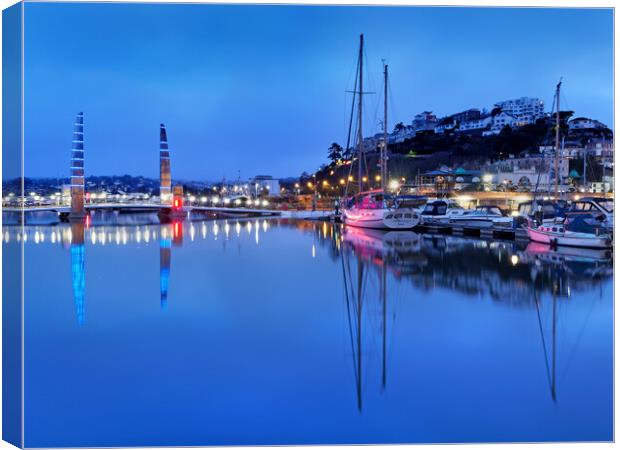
x,y
261,89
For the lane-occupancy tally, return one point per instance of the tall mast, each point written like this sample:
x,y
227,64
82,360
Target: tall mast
x,y
557,139
360,137
385,133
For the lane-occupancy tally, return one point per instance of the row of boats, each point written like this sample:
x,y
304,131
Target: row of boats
x,y
587,222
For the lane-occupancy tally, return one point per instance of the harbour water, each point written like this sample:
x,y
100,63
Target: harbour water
x,y
299,332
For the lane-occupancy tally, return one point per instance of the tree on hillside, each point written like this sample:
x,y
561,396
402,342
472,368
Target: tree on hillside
x,y
399,127
334,152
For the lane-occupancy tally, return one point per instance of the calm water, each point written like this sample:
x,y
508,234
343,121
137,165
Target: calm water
x,y
275,332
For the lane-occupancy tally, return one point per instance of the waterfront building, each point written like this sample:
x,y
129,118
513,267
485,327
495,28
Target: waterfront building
x,y
524,110
165,180
265,184
77,168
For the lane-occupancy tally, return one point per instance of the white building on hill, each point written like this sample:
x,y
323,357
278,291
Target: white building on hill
x,y
525,110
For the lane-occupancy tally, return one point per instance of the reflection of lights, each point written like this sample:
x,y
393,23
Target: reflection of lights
x,y
93,238
265,225
238,228
192,232
226,229
216,229
248,226
514,259
146,236
313,251
203,230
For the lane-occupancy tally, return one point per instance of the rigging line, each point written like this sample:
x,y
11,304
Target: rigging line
x,y
544,162
542,336
351,154
579,336
349,321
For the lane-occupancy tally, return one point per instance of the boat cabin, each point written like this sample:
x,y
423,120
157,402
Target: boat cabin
x,y
440,208
491,210
370,200
549,209
411,201
592,205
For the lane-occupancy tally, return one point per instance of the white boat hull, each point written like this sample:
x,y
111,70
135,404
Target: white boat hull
x,y
381,219
569,239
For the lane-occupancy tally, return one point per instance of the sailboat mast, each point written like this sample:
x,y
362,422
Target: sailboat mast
x,y
385,133
360,137
557,139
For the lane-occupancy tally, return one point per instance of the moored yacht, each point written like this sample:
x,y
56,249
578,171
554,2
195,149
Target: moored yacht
x,y
439,212
484,216
570,232
375,209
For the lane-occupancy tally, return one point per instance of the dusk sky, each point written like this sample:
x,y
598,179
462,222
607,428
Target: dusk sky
x,y
261,89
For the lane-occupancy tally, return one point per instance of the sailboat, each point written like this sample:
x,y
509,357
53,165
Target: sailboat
x,y
567,231
376,208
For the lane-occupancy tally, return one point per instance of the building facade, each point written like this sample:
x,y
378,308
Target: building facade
x,y
525,110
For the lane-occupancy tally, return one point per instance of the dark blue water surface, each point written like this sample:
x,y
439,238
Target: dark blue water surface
x,y
276,332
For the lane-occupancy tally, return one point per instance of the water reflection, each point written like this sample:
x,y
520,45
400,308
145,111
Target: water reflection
x,y
386,284
505,271
78,274
508,273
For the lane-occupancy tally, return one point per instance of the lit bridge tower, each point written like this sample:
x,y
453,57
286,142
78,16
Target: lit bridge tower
x,y
165,181
77,170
